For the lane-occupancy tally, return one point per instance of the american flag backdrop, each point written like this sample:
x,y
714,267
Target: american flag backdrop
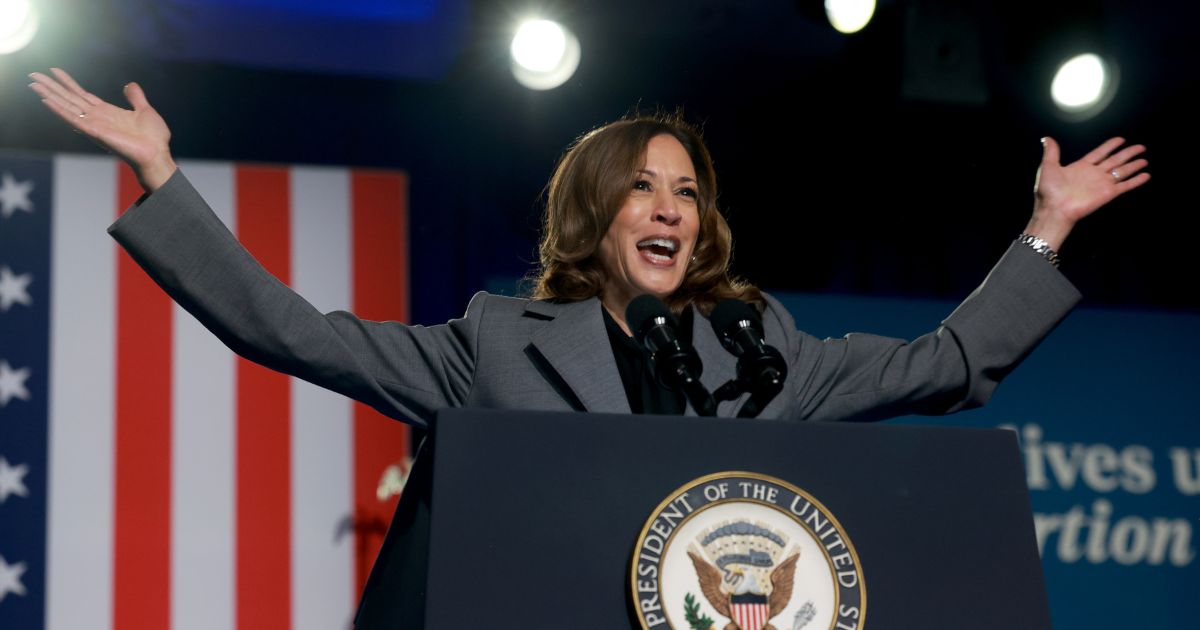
x,y
148,477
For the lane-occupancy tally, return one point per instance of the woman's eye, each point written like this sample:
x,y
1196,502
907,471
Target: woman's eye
x,y
688,192
641,184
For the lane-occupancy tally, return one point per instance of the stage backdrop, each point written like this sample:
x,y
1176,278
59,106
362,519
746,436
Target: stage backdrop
x,y
1111,439
148,477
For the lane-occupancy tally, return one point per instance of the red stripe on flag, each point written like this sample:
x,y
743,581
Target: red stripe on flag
x,y
263,424
142,479
379,206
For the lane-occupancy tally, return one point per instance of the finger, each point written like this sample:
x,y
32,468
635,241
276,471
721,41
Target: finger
x,y
1099,153
1133,182
1128,170
71,118
60,92
1123,156
50,96
1049,151
136,97
74,87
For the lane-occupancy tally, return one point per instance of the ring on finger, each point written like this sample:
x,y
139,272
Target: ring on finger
x,y
84,115
1115,174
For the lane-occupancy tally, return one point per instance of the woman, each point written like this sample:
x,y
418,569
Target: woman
x,y
631,210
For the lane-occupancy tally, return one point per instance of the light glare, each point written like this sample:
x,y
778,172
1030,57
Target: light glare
x,y
1079,83
18,25
544,54
539,45
849,16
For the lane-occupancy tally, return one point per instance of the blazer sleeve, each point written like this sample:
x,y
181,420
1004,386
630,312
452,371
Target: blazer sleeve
x,y
865,377
406,372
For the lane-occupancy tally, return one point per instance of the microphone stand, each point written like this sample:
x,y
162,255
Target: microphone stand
x,y
681,370
761,369
698,396
766,390
674,362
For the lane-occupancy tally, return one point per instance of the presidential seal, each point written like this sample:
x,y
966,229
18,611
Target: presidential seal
x,y
743,551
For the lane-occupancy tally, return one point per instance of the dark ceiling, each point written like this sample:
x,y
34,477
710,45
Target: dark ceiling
x,y
897,161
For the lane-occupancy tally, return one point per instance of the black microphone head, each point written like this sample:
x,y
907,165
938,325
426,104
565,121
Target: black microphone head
x,y
645,312
730,315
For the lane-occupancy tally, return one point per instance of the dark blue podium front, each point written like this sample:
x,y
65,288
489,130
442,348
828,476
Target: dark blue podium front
x,y
534,516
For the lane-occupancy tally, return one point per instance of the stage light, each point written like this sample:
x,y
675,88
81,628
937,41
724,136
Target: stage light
x,y
18,25
544,54
539,45
1083,86
849,16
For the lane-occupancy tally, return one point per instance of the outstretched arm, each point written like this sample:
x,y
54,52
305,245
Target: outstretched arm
x,y
1065,194
866,377
138,136
406,372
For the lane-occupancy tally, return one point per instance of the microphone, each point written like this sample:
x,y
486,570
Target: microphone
x,y
761,369
675,363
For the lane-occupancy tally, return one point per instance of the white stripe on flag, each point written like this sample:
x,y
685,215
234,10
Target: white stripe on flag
x,y
322,422
82,361
202,450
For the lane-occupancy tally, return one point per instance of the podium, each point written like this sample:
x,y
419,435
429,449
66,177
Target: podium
x,y
545,520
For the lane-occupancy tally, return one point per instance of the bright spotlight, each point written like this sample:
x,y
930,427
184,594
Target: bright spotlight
x,y
18,25
1083,86
849,16
544,54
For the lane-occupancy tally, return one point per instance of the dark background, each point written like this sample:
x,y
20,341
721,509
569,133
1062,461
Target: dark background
x,y
896,161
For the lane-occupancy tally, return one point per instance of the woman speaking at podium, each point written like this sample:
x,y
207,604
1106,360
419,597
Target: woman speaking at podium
x,y
631,210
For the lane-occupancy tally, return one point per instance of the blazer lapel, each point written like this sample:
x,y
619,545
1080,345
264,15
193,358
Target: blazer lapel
x,y
719,365
575,343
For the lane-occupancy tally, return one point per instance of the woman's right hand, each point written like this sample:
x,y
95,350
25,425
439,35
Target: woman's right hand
x,y
140,137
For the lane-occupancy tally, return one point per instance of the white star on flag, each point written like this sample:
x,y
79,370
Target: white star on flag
x,y
10,578
11,480
13,289
12,383
14,196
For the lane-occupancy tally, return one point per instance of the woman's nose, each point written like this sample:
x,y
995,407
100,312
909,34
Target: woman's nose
x,y
665,209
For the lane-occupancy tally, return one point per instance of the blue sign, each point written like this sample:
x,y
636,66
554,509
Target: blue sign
x,y
1111,439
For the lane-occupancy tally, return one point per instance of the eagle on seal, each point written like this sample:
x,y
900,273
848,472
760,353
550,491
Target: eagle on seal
x,y
781,590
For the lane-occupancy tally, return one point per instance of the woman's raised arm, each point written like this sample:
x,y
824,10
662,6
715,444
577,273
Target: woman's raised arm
x,y
138,136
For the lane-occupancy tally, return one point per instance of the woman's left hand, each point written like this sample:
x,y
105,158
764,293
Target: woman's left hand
x,y
1065,194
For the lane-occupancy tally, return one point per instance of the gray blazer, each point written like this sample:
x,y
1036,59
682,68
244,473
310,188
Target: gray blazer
x,y
508,353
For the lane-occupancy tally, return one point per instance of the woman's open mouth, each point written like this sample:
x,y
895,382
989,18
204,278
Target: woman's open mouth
x,y
659,250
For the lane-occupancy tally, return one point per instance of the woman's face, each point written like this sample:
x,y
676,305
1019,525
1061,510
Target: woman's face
x,y
649,244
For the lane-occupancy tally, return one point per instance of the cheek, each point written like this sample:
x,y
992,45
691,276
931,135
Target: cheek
x,y
615,238
694,232
608,253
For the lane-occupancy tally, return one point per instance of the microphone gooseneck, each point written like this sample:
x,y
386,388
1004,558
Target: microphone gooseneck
x,y
761,369
675,363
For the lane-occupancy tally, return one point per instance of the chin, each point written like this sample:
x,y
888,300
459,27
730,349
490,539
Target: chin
x,y
661,290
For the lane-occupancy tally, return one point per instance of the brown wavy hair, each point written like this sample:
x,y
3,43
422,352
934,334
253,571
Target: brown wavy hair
x,y
588,188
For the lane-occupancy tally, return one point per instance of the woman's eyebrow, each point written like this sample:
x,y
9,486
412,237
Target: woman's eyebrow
x,y
683,178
